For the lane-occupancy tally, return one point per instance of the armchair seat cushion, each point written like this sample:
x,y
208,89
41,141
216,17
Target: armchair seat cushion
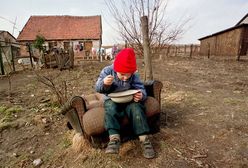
x,y
93,121
93,100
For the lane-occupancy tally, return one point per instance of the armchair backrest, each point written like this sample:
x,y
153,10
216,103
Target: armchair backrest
x,y
153,89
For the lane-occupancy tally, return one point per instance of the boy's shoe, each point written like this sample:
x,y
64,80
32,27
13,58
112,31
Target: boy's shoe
x,y
113,146
148,151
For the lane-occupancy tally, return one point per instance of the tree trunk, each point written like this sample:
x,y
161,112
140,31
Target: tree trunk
x,y
146,49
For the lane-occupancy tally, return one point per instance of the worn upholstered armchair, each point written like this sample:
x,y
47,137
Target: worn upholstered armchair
x,y
86,114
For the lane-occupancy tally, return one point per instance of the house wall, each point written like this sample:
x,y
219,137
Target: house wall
x,y
89,51
244,42
224,44
23,50
86,52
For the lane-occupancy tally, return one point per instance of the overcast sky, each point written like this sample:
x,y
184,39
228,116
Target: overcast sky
x,y
207,16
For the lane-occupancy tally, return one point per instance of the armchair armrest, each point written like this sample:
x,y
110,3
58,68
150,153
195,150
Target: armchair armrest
x,y
153,89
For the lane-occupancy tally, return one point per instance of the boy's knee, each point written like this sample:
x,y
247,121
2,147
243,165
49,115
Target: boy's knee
x,y
109,103
110,107
134,106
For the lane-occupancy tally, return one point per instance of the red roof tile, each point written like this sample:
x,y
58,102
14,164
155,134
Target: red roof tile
x,y
61,28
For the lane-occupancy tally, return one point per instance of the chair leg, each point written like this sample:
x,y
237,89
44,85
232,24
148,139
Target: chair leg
x,y
99,141
154,123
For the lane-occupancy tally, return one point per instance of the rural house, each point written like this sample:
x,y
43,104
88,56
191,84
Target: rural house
x,y
82,33
229,42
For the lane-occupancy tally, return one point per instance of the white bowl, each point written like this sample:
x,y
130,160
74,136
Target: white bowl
x,y
123,96
123,99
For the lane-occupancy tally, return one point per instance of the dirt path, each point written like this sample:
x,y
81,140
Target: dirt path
x,y
204,103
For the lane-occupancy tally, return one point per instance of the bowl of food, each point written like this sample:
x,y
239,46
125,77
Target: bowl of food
x,y
123,96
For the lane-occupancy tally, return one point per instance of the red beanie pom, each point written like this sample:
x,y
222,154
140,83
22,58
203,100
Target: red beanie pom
x,y
125,61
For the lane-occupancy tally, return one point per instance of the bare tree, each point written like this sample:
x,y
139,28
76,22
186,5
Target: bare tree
x,y
127,14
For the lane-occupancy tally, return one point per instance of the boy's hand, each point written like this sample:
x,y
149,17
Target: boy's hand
x,y
138,96
108,80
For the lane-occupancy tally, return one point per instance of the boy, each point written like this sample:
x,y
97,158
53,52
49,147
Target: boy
x,y
121,76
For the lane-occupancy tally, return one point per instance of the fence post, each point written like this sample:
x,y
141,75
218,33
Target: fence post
x,y
12,58
176,51
168,50
1,60
71,56
30,54
100,50
185,50
191,48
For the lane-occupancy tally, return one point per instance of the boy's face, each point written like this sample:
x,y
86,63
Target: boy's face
x,y
124,76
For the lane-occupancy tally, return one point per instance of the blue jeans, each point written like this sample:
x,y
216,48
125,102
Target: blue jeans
x,y
115,112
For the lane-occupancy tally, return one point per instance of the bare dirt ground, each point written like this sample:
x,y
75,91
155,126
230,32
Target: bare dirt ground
x,y
206,124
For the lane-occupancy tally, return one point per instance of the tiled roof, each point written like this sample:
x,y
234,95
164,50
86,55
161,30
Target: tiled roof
x,y
62,28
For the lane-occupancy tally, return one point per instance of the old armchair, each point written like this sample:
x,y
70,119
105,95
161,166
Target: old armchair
x,y
86,115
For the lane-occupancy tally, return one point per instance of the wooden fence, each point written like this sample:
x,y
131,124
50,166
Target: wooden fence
x,y
188,50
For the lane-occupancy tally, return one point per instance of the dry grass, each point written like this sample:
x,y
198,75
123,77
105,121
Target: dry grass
x,y
204,103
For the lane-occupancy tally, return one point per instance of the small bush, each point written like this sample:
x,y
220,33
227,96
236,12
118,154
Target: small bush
x,y
2,109
8,113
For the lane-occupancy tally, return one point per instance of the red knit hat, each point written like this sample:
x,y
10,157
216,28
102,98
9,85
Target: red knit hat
x,y
125,61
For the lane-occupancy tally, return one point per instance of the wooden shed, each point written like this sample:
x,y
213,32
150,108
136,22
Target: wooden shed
x,y
9,50
229,42
8,47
